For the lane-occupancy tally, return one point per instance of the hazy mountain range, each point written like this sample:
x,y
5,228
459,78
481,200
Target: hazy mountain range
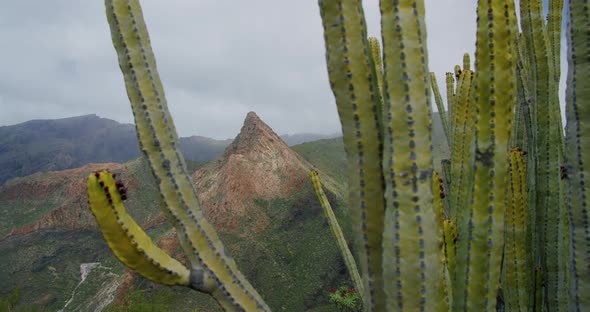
x,y
45,145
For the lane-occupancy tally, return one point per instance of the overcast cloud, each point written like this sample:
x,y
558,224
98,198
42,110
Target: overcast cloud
x,y
218,59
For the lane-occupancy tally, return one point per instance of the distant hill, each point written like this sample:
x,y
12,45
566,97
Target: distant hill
x,y
329,154
294,139
257,195
58,144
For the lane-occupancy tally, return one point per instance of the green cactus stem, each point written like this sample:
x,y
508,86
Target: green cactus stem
x,y
481,232
577,172
335,227
410,240
159,142
445,288
517,269
441,107
463,147
548,149
130,244
355,87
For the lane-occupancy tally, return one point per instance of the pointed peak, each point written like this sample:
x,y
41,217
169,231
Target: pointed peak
x,y
252,115
255,135
252,120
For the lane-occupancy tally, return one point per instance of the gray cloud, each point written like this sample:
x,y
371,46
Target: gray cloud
x,y
217,60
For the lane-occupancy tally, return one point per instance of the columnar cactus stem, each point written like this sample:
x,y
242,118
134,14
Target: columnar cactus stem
x,y
355,87
159,142
518,273
441,108
127,240
577,151
335,227
410,240
445,288
540,45
479,251
463,147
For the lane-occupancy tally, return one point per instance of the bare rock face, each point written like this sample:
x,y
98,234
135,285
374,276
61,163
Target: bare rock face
x,y
256,165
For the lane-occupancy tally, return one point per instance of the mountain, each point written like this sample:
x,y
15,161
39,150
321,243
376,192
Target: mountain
x,y
57,144
46,145
200,148
257,195
300,138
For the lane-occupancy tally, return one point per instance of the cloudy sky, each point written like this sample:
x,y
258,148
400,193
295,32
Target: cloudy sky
x,y
218,59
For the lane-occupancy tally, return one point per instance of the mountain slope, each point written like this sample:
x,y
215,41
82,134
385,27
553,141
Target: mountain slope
x,y
257,195
48,145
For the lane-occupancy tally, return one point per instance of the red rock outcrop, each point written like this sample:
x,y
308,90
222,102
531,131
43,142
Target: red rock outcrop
x,y
257,165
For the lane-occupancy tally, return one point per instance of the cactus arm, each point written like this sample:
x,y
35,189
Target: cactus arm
x,y
410,239
578,147
378,66
335,227
463,150
130,244
445,287
159,142
554,20
451,236
549,150
441,107
466,62
517,258
495,94
450,85
357,98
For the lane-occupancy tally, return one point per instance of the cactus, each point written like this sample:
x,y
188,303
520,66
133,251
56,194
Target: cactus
x,y
577,156
338,235
510,99
159,142
416,251
517,280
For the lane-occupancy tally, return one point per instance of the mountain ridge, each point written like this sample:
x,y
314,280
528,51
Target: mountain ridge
x,y
43,145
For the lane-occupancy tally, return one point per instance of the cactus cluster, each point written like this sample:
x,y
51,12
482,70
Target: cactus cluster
x,y
499,228
501,224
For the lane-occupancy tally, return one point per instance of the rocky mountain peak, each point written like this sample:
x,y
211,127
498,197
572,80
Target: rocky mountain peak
x,y
256,165
255,137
